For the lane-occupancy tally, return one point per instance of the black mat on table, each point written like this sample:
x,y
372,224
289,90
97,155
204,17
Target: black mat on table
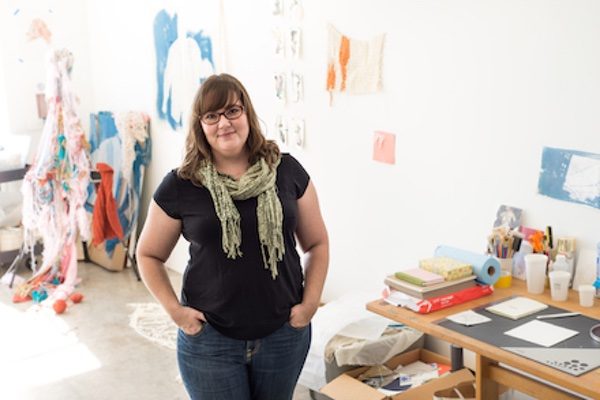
x,y
576,355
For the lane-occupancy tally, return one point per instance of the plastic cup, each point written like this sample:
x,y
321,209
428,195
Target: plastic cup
x,y
535,272
506,264
586,295
559,285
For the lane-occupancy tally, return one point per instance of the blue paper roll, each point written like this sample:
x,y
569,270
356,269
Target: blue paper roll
x,y
486,267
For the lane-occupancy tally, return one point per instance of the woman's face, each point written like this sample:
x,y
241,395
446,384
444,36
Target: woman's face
x,y
226,130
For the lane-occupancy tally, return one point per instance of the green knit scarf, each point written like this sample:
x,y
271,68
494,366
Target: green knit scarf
x,y
258,181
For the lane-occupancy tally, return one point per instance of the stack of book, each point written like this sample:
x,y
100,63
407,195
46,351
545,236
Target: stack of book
x,y
423,291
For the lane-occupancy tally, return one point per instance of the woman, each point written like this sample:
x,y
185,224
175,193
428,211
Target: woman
x,y
245,310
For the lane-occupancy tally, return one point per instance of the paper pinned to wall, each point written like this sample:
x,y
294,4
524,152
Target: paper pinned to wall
x,y
570,175
384,147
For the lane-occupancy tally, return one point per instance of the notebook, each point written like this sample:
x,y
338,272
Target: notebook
x,y
517,307
420,277
427,292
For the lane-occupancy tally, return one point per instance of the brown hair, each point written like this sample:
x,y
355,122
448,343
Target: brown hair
x,y
220,91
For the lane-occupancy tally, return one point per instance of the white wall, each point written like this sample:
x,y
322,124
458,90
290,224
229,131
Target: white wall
x,y
473,90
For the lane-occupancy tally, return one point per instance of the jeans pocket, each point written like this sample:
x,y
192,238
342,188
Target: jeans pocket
x,y
302,328
200,332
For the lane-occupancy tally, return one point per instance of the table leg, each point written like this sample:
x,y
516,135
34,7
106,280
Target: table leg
x,y
487,389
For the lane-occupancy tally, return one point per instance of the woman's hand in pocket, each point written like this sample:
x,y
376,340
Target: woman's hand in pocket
x,y
301,314
188,319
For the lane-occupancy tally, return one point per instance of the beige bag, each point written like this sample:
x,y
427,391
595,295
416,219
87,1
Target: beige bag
x,y
462,391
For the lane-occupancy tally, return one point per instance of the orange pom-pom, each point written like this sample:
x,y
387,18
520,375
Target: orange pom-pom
x,y
76,297
59,306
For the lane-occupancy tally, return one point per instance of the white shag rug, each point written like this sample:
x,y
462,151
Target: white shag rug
x,y
153,323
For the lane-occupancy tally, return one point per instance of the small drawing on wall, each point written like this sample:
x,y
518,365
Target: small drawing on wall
x,y
280,87
295,42
297,87
281,129
278,7
297,132
295,9
279,41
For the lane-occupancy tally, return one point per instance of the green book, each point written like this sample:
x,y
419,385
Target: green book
x,y
419,277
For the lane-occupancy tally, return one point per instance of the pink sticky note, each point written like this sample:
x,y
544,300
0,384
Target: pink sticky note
x,y
384,147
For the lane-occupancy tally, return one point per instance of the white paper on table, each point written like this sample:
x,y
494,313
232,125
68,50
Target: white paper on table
x,y
468,318
541,333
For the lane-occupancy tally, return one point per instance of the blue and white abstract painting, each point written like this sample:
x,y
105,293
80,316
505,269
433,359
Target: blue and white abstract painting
x,y
570,175
183,62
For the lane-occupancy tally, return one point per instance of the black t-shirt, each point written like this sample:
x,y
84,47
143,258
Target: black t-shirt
x,y
238,296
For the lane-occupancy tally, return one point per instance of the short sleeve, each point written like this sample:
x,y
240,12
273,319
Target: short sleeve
x,y
296,172
166,195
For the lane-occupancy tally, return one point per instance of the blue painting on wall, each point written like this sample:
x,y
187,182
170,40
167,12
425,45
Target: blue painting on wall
x,y
183,62
570,175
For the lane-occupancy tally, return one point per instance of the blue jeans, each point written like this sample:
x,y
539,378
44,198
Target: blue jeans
x,y
216,367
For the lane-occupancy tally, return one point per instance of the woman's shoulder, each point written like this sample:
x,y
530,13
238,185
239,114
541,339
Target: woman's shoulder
x,y
289,161
292,174
172,179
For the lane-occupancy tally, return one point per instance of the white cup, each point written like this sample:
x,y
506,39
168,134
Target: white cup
x,y
586,295
535,272
559,285
506,265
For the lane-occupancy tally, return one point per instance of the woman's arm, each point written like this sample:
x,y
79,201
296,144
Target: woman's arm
x,y
156,242
312,235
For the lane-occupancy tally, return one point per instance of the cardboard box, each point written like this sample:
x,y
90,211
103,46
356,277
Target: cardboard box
x,y
98,255
347,387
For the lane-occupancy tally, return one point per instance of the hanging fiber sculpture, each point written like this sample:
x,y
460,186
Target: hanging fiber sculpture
x,y
353,66
55,187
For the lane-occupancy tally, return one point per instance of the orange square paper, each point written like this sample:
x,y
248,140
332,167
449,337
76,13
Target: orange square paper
x,y
384,147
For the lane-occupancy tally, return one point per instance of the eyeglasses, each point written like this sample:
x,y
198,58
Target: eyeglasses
x,y
213,117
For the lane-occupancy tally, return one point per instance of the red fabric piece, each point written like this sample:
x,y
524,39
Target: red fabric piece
x,y
105,219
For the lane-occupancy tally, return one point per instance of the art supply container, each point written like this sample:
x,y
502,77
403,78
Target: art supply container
x,y
559,285
586,295
535,271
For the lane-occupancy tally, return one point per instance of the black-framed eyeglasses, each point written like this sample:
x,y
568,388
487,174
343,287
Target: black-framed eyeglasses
x,y
213,117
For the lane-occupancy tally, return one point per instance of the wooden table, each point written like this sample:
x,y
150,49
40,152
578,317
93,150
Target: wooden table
x,y
488,357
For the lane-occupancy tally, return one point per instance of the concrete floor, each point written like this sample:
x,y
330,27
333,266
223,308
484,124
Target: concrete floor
x,y
89,352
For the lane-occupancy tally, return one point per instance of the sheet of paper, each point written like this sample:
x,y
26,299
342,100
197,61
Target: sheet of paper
x,y
384,147
468,318
542,333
